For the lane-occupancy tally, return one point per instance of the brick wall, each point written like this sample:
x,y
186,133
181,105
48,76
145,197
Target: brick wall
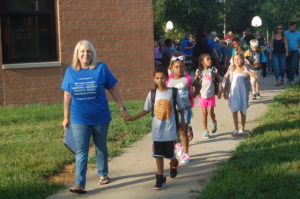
x,y
122,32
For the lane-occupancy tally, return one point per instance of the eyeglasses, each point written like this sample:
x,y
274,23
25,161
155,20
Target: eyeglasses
x,y
181,58
279,28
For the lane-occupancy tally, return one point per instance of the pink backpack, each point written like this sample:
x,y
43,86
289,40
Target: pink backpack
x,y
189,82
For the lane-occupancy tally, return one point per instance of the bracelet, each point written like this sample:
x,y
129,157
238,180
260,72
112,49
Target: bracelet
x,y
122,108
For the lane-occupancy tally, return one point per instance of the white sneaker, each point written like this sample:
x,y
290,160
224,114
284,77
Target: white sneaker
x,y
235,133
179,150
185,158
258,95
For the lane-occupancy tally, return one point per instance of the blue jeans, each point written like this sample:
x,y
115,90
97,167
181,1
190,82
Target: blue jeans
x,y
279,65
291,64
82,134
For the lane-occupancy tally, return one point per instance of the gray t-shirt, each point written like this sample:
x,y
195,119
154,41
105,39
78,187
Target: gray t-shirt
x,y
183,89
207,87
163,122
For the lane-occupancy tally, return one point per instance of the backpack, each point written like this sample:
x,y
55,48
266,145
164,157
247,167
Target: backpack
x,y
174,96
189,83
214,77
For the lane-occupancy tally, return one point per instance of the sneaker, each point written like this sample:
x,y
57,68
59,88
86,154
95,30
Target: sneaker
x,y
179,150
185,158
241,132
254,96
173,169
214,127
258,95
77,189
160,182
206,134
235,133
281,82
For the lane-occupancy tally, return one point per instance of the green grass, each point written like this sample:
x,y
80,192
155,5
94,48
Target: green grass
x,y
31,146
267,164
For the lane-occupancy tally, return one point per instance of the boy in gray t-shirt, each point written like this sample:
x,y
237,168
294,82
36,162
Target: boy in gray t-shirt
x,y
163,125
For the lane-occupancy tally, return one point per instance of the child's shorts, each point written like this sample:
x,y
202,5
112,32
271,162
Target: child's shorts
x,y
164,149
187,115
207,102
257,72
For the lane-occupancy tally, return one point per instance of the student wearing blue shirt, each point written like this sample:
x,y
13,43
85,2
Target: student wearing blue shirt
x,y
186,45
86,106
293,38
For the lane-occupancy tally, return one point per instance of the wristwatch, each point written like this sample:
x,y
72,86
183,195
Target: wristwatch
x,y
122,108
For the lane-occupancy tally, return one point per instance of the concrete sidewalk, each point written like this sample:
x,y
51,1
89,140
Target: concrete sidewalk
x,y
132,174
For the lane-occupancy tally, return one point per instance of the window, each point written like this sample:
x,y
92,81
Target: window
x,y
28,31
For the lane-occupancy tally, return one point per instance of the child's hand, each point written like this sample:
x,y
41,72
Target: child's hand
x,y
225,95
194,95
182,125
129,118
219,95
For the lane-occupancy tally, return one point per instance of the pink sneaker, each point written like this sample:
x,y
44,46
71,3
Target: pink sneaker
x,y
179,150
185,158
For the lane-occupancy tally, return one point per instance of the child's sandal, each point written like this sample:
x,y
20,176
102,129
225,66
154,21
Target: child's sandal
x,y
103,180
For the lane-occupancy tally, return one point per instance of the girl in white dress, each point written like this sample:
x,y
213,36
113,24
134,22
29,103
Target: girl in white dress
x,y
236,90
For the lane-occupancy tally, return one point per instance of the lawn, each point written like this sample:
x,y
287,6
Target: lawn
x,y
267,164
31,145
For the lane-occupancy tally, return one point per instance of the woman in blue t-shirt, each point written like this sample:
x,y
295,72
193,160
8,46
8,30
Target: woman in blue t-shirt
x,y
86,106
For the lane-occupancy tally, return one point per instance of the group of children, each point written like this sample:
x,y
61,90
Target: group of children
x,y
175,92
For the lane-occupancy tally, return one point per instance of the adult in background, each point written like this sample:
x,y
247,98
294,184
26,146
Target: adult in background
x,y
244,34
201,45
187,45
166,53
262,48
229,36
278,53
86,109
293,38
248,37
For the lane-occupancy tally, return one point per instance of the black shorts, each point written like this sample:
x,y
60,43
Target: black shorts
x,y
164,149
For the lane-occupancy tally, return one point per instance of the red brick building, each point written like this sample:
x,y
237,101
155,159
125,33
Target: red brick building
x,y
38,38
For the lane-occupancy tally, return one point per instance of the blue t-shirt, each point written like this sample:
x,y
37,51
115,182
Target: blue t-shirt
x,y
186,43
89,104
293,39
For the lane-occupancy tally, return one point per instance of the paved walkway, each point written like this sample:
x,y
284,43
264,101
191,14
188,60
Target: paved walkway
x,y
132,174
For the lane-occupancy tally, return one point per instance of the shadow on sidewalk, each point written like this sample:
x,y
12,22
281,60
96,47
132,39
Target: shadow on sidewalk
x,y
201,166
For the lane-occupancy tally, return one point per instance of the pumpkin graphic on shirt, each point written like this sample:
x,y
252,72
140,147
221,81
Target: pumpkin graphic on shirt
x,y
163,109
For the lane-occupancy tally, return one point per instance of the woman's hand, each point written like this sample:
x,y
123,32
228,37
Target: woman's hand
x,y
125,115
66,124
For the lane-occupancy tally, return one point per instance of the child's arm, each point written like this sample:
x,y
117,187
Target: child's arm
x,y
182,120
220,86
196,85
226,87
255,76
138,116
197,77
